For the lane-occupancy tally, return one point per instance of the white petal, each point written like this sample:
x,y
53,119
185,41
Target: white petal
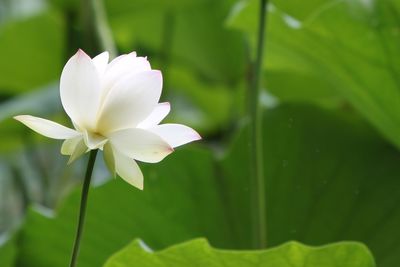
x,y
140,144
100,62
80,90
109,158
46,127
80,149
74,147
122,66
175,134
128,170
130,101
155,117
69,145
117,59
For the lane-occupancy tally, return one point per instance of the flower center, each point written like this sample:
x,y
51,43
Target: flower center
x,y
94,140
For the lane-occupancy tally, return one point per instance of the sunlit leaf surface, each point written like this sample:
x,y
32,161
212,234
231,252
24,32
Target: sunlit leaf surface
x,y
347,47
199,253
8,252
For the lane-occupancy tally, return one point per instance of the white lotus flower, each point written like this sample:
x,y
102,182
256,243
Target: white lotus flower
x,y
114,107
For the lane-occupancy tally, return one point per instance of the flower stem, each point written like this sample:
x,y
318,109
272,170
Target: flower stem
x,y
97,29
257,180
82,211
102,27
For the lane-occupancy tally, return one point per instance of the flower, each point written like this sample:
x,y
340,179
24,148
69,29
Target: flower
x,y
114,107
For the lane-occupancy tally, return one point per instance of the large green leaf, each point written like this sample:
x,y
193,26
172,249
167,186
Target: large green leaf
x,y
189,35
329,178
180,201
8,251
200,253
347,46
302,10
286,77
31,52
192,104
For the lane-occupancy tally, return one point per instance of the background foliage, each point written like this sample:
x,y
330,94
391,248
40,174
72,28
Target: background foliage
x,y
331,128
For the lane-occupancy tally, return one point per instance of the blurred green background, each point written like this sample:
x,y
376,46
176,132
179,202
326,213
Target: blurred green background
x,y
331,126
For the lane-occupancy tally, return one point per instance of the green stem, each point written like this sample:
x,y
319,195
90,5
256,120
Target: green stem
x,y
82,211
258,183
97,30
104,34
166,45
71,33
